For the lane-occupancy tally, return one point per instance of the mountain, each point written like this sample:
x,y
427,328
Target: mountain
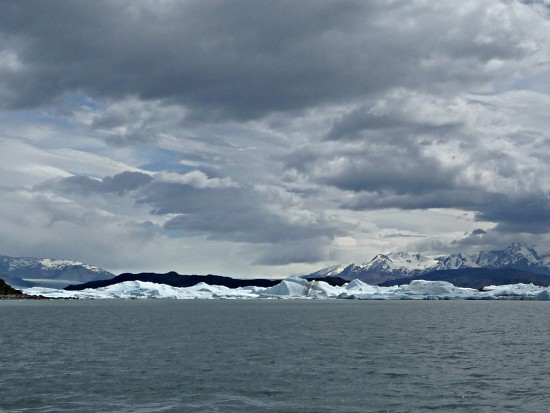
x,y
519,256
326,272
531,266
404,265
45,272
176,280
388,266
381,268
8,290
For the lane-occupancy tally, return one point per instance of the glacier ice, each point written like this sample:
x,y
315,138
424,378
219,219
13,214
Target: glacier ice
x,y
299,288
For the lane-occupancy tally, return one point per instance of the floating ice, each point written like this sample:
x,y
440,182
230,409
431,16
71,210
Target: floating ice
x,y
299,288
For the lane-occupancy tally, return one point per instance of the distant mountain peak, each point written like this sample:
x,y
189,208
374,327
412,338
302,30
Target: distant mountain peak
x,y
519,250
398,260
402,264
27,271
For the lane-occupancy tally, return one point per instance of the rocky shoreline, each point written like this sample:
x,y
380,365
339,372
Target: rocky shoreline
x,y
7,292
23,297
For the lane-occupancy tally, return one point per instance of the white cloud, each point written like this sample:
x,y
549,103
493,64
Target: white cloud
x,y
271,142
197,179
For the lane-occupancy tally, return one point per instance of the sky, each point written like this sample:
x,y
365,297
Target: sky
x,y
258,138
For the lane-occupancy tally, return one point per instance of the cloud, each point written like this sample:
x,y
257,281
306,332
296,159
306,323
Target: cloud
x,y
28,163
116,184
400,113
227,58
196,179
272,131
195,205
416,151
41,225
529,213
304,251
375,167
239,214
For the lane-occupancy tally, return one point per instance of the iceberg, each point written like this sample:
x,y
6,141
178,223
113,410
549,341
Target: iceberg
x,y
299,288
143,289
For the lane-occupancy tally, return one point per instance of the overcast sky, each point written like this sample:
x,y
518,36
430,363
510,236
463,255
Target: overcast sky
x,y
270,138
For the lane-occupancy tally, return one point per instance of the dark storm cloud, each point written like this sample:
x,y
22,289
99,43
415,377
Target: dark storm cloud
x,y
528,213
468,199
377,165
307,251
391,171
513,214
242,58
237,214
362,124
217,212
381,171
262,119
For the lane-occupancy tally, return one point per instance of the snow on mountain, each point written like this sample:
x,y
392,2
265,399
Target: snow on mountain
x,y
400,261
44,272
396,265
386,266
26,271
456,261
298,288
518,256
327,272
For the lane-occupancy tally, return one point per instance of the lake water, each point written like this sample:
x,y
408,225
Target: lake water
x,y
274,356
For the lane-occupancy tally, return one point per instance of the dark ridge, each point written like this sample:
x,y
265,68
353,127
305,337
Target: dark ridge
x,y
176,280
477,277
6,289
7,292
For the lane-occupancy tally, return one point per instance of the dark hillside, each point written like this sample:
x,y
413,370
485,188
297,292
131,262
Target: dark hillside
x,y
176,280
6,289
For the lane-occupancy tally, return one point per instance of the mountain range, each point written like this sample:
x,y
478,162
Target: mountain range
x,y
384,268
46,272
519,263
176,280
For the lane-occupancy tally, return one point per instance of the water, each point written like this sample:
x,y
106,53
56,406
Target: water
x,y
273,356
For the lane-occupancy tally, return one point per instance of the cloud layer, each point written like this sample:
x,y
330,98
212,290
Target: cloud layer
x,y
277,136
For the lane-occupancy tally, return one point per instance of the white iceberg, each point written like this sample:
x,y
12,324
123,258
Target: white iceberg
x,y
299,288
142,289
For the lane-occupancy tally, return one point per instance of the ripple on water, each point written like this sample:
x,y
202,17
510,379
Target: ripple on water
x,y
273,356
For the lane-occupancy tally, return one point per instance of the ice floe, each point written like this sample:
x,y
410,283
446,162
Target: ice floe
x,y
299,288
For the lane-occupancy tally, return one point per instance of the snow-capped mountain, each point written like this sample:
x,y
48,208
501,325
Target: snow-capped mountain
x,y
400,261
335,270
518,256
26,271
396,265
386,266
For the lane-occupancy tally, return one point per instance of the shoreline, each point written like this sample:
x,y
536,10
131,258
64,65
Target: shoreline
x,y
13,297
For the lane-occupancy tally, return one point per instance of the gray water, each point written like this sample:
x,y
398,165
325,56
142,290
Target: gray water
x,y
274,356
